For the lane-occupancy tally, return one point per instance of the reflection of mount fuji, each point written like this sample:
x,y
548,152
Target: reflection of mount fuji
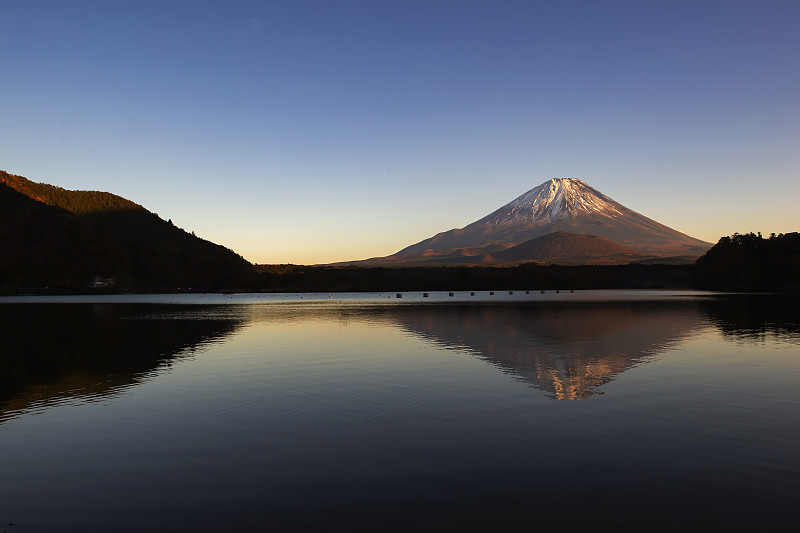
x,y
568,350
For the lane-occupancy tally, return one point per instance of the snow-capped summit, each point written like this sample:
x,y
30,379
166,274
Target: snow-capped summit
x,y
553,200
560,205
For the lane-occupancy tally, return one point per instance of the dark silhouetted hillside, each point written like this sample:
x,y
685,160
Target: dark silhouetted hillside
x,y
44,245
51,237
751,262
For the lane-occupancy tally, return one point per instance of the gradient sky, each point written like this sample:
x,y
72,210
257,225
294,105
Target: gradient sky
x,y
318,131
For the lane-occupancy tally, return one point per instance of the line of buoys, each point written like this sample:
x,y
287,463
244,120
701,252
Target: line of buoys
x,y
472,293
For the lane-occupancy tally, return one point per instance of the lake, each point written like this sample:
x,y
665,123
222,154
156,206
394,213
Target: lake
x,y
630,409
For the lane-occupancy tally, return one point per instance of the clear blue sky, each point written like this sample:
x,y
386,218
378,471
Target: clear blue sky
x,y
319,131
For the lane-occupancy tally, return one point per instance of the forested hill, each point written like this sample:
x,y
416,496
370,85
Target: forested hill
x,y
751,262
78,202
52,237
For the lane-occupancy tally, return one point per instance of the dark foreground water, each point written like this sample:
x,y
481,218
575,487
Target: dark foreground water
x,y
657,411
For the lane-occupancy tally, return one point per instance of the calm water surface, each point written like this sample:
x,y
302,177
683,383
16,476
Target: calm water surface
x,y
645,410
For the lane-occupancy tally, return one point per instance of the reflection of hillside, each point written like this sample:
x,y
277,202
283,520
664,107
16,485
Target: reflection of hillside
x,y
566,350
54,353
51,353
752,317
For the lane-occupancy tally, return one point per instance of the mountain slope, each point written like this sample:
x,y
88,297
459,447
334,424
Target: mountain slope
x,y
59,238
568,205
568,247
45,245
78,202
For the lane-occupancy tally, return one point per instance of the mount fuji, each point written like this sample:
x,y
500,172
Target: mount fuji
x,y
563,206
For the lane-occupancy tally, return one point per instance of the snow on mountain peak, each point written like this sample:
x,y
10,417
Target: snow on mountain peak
x,y
555,199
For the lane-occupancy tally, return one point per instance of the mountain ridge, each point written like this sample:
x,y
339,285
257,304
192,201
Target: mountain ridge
x,y
77,202
560,204
54,237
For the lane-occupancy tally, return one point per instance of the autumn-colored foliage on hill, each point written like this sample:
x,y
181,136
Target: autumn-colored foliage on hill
x,y
77,202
